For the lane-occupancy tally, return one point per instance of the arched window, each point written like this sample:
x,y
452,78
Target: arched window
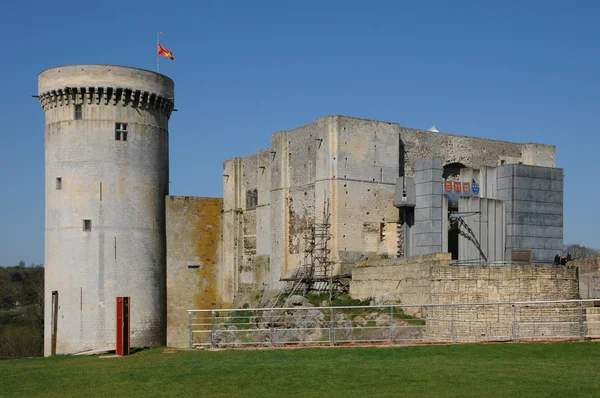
x,y
251,199
248,200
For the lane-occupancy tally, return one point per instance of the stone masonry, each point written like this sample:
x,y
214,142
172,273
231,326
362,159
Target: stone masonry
x,y
107,175
193,255
353,164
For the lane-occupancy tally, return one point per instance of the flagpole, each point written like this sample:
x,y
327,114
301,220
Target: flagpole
x,y
157,57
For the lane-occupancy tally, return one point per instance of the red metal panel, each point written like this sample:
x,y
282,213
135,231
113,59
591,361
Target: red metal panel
x,y
123,347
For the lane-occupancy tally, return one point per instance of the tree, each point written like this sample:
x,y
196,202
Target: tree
x,y
579,251
21,310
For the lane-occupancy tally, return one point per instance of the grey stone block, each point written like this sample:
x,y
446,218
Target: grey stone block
x,y
425,201
524,206
539,184
428,226
522,242
544,255
520,230
505,182
538,196
429,175
423,250
429,188
547,173
506,170
528,218
428,239
428,163
427,213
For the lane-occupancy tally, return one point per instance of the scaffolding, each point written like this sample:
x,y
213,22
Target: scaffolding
x,y
315,273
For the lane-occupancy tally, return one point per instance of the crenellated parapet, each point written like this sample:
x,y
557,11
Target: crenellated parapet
x,y
115,96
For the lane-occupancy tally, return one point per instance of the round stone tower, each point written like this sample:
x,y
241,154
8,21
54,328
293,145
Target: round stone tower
x,y
107,175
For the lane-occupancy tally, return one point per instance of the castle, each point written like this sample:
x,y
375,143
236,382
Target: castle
x,y
388,192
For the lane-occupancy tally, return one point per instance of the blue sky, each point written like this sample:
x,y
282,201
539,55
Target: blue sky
x,y
523,71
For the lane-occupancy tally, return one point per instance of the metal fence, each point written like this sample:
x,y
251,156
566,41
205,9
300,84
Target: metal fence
x,y
396,324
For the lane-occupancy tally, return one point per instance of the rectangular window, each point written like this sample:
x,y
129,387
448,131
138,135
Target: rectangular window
x,y
120,131
87,225
58,183
77,112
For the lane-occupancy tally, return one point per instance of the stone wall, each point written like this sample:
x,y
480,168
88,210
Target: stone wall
x,y
105,202
589,276
431,280
193,255
587,266
482,284
477,284
403,280
351,162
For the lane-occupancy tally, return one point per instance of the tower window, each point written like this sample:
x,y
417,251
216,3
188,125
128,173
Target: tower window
x,y
87,225
59,183
251,199
120,131
78,112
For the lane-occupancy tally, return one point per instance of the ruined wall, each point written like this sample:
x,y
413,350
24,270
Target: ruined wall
x,y
404,280
246,224
589,281
293,175
364,222
466,283
476,284
429,280
351,162
193,257
233,200
472,152
587,265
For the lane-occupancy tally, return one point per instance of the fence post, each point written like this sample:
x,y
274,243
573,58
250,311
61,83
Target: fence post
x,y
581,325
331,327
392,325
515,324
213,342
452,332
190,330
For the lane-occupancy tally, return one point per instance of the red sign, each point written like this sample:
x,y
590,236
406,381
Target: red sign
x,y
448,186
457,186
466,187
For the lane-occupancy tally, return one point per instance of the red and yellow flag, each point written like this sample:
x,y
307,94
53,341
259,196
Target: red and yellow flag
x,y
164,52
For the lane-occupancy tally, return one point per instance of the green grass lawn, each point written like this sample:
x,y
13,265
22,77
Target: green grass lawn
x,y
502,370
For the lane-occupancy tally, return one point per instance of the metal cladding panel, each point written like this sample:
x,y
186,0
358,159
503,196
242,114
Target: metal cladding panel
x,y
534,215
404,194
481,236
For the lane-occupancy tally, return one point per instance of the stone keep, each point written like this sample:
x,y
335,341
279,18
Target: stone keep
x,y
107,174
